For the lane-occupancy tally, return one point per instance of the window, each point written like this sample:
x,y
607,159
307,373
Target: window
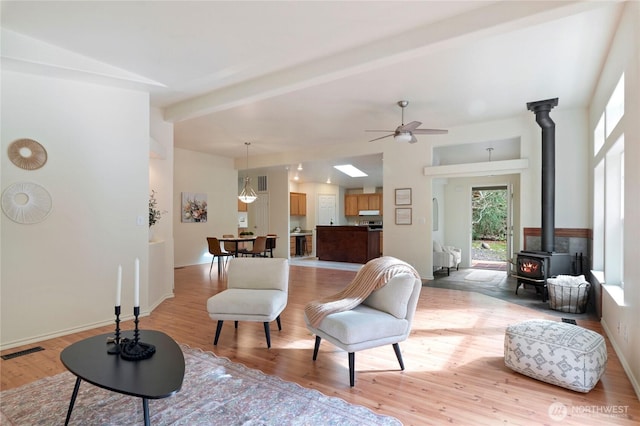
x,y
608,190
622,185
598,136
598,217
615,107
613,213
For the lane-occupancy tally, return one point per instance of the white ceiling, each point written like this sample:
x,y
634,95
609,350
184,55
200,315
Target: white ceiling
x,y
289,76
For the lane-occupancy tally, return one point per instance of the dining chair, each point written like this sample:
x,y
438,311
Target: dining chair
x,y
229,246
259,248
217,251
271,243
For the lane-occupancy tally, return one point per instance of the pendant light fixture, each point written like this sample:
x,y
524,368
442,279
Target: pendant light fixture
x,y
248,195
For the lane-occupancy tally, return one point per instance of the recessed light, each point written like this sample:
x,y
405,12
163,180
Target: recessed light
x,y
350,170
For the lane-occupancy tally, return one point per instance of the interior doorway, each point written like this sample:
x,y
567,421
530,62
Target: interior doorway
x,y
261,209
491,227
326,209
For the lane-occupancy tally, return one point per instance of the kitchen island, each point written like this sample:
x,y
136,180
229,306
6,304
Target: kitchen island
x,y
353,244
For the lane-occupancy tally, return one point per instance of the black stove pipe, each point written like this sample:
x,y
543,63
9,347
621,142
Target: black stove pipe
x,y
541,110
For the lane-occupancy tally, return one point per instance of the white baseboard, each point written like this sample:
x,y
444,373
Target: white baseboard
x,y
84,327
623,361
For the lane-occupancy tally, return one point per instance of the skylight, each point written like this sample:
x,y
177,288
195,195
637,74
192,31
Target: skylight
x,y
350,170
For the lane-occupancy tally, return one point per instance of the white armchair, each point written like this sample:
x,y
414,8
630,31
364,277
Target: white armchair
x,y
446,257
383,318
257,290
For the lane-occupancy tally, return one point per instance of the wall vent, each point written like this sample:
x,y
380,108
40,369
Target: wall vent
x,y
21,353
262,184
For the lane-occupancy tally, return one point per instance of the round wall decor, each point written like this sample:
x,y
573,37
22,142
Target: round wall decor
x,y
26,202
27,154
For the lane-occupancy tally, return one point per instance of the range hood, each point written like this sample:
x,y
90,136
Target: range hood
x,y
369,213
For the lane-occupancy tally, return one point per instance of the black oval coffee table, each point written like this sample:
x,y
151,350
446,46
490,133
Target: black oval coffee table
x,y
154,378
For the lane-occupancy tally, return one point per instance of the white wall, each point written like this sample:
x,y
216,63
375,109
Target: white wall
x,y
216,177
624,57
403,168
59,275
572,171
161,181
278,189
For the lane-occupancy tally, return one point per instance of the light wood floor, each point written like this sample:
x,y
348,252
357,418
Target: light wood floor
x,y
454,372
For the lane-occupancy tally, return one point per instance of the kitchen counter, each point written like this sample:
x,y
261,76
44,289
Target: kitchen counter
x,y
353,244
301,243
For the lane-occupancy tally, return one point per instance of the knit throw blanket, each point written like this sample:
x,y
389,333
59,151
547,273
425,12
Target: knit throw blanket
x,y
372,276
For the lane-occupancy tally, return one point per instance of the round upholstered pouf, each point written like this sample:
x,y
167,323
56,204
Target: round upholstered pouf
x,y
555,352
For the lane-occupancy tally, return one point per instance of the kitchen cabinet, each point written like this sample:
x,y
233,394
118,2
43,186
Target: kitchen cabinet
x,y
375,202
309,243
297,204
242,207
351,205
300,244
354,203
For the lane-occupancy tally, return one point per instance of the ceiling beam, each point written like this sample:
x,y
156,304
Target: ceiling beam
x,y
493,19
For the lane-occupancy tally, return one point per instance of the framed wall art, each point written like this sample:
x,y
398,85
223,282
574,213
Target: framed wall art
x,y
403,197
194,207
403,216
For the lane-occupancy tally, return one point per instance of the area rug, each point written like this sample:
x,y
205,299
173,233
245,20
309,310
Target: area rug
x,y
481,275
215,391
493,266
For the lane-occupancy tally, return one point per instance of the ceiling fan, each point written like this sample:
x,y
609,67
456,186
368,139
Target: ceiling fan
x,y
406,132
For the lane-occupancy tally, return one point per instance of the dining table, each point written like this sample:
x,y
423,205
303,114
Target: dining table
x,y
237,241
243,239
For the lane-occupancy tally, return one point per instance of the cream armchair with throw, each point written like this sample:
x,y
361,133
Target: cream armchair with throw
x,y
376,309
446,257
257,290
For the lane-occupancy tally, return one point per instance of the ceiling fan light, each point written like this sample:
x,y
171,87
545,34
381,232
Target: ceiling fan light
x,y
402,137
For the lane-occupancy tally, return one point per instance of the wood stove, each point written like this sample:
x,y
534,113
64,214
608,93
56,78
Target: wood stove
x,y
534,267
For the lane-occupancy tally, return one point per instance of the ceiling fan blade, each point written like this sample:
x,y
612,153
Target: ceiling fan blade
x,y
386,131
381,137
409,127
413,139
430,132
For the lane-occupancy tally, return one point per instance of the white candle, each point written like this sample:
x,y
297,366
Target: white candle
x,y
136,287
119,287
